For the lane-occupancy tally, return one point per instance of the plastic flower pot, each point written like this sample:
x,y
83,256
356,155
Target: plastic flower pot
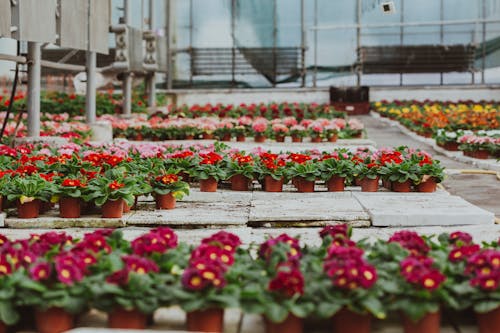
x,y
273,185
335,184
206,136
401,187
369,185
428,186
239,183
259,138
240,138
386,183
165,201
346,321
430,323
28,210
316,139
488,322
53,320
333,138
189,137
210,320
291,324
112,209
304,186
208,185
481,154
450,146
127,319
3,327
280,138
69,207
226,137
126,208
296,139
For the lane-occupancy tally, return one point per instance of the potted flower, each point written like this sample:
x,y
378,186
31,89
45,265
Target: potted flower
x,y
240,170
475,146
305,172
332,132
4,181
208,171
298,133
167,188
224,130
369,173
9,282
271,172
27,191
429,173
447,139
279,132
70,192
260,128
335,169
211,282
274,286
317,131
243,128
111,194
401,173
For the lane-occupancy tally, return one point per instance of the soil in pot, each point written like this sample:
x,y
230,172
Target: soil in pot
x,y
210,320
28,210
127,319
346,321
401,187
369,185
273,185
208,185
53,320
428,186
112,209
165,201
335,184
488,322
430,323
304,186
239,183
69,207
292,324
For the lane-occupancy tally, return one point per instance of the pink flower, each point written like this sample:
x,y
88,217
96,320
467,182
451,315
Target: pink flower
x,y
40,271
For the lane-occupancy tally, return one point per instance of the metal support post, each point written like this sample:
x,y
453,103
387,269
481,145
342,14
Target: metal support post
x,y
169,45
315,73
151,84
90,99
358,38
275,42
34,81
483,60
233,49
303,42
127,77
401,34
191,27
441,31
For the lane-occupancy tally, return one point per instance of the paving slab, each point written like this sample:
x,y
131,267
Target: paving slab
x,y
53,221
311,209
220,196
415,209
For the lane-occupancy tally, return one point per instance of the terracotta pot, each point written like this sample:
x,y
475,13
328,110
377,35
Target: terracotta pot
x,y
138,137
451,146
165,201
335,184
430,323
296,139
369,185
481,154
346,321
401,187
126,207
280,138
316,139
206,136
127,319
239,183
226,137
240,138
113,209
358,181
260,138
468,153
3,327
28,210
69,207
189,137
488,322
210,320
333,138
273,185
292,324
53,320
304,186
428,186
208,185
387,184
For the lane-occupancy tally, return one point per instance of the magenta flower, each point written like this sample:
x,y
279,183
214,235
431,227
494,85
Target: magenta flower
x,y
40,271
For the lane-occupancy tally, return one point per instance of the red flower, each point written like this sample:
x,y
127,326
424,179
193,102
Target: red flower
x,y
460,238
115,185
72,183
193,280
40,271
5,266
288,282
224,240
68,274
167,179
119,277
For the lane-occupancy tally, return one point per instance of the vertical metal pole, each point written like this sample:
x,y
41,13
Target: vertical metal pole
x,y
90,98
127,77
315,73
169,45
303,42
191,27
401,35
358,38
441,30
483,61
275,41
233,50
152,76
34,78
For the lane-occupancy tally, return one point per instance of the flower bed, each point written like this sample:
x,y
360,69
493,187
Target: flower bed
x,y
115,175
342,281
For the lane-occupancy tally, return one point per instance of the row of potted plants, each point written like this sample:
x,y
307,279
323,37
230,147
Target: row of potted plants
x,y
425,118
54,278
110,177
224,129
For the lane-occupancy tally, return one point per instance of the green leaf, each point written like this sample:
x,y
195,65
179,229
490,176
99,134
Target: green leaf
x,y
276,313
486,306
8,314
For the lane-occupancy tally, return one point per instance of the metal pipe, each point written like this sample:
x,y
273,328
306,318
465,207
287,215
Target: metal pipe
x,y
408,24
63,67
358,38
13,58
152,76
127,13
34,79
303,42
233,49
127,94
90,98
315,73
483,61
